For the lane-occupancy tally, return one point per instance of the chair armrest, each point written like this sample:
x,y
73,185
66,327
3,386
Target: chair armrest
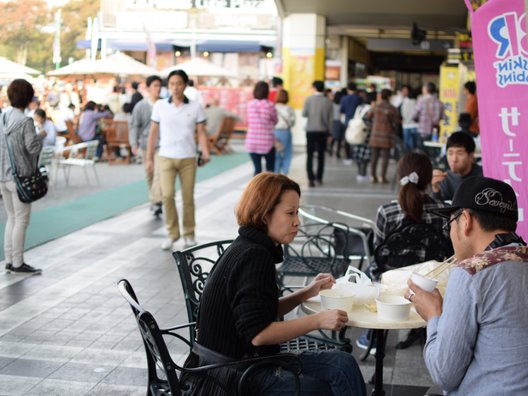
x,y
170,331
183,326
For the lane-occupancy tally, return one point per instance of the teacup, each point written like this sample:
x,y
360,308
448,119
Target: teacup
x,y
425,283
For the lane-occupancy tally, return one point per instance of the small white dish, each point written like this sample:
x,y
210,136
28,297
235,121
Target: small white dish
x,y
393,308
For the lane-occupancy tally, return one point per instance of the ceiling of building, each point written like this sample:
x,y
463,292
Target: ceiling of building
x,y
383,18
383,27
448,14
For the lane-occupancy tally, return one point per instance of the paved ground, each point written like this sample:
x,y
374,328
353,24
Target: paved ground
x,y
69,332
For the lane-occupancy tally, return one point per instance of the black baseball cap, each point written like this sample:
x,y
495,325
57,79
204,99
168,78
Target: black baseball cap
x,y
483,194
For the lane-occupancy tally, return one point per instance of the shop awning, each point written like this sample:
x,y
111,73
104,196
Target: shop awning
x,y
231,46
120,45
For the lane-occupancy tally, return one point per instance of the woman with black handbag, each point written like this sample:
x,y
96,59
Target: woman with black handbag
x,y
19,138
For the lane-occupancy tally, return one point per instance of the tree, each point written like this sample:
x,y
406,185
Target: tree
x,y
75,14
22,27
27,30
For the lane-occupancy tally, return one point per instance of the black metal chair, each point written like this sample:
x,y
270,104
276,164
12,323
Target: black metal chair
x,y
158,358
411,244
317,248
360,243
194,265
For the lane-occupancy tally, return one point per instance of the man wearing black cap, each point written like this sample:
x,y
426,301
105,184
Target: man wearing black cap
x,y
477,337
461,159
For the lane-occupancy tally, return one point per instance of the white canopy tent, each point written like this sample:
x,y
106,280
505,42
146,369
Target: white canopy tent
x,y
10,71
118,64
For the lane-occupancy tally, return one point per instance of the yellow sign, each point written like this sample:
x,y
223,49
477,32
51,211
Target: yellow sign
x,y
299,72
450,82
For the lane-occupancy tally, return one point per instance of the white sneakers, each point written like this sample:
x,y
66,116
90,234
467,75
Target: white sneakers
x,y
171,245
189,242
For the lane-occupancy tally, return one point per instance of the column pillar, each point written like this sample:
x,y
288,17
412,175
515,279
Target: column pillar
x,y
303,60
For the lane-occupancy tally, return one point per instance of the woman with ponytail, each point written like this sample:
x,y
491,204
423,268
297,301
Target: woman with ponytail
x,y
414,205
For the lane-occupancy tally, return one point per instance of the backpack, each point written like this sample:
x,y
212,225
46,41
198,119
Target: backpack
x,y
356,132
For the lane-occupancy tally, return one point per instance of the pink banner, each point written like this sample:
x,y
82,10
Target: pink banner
x,y
500,46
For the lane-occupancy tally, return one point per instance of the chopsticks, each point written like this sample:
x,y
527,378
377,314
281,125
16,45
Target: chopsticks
x,y
441,268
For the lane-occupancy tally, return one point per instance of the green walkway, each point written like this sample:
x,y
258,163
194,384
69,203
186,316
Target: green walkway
x,y
55,222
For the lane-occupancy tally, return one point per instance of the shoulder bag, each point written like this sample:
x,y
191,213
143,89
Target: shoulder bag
x,y
29,188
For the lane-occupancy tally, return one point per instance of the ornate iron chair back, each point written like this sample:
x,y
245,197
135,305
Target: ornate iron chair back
x,y
317,248
155,347
198,380
194,265
412,244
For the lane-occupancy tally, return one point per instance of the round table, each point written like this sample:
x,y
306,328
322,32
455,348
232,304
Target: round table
x,y
363,318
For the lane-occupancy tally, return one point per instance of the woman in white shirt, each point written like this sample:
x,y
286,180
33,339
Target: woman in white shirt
x,y
44,124
283,136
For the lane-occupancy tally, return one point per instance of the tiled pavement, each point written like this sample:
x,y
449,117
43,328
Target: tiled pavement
x,y
69,332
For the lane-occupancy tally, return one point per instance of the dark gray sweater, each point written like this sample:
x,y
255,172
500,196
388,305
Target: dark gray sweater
x,y
449,185
319,111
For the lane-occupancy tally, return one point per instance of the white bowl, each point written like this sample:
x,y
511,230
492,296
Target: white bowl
x,y
393,308
337,299
425,283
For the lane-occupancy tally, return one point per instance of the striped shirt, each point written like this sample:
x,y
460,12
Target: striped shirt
x,y
261,119
391,217
429,111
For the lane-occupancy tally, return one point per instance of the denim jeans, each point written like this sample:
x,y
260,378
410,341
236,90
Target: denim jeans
x,y
411,139
323,373
257,161
99,152
283,158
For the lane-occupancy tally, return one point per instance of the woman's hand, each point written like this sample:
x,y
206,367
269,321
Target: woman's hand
x,y
321,282
331,319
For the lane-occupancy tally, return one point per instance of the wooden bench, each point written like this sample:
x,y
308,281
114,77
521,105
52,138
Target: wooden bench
x,y
116,136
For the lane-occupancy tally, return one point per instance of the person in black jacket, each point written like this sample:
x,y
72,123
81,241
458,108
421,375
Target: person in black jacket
x,y
240,306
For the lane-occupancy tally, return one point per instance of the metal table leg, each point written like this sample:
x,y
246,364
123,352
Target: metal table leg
x,y
380,354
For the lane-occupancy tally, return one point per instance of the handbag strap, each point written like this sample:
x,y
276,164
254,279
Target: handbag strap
x,y
209,356
9,149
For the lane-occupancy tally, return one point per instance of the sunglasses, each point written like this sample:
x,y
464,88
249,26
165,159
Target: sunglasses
x,y
457,214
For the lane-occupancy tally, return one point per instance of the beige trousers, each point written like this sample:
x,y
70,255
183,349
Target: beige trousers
x,y
169,169
153,180
18,214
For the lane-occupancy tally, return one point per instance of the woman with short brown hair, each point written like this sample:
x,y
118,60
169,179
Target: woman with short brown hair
x,y
240,304
25,145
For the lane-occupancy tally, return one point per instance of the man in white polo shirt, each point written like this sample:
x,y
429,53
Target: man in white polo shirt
x,y
175,120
